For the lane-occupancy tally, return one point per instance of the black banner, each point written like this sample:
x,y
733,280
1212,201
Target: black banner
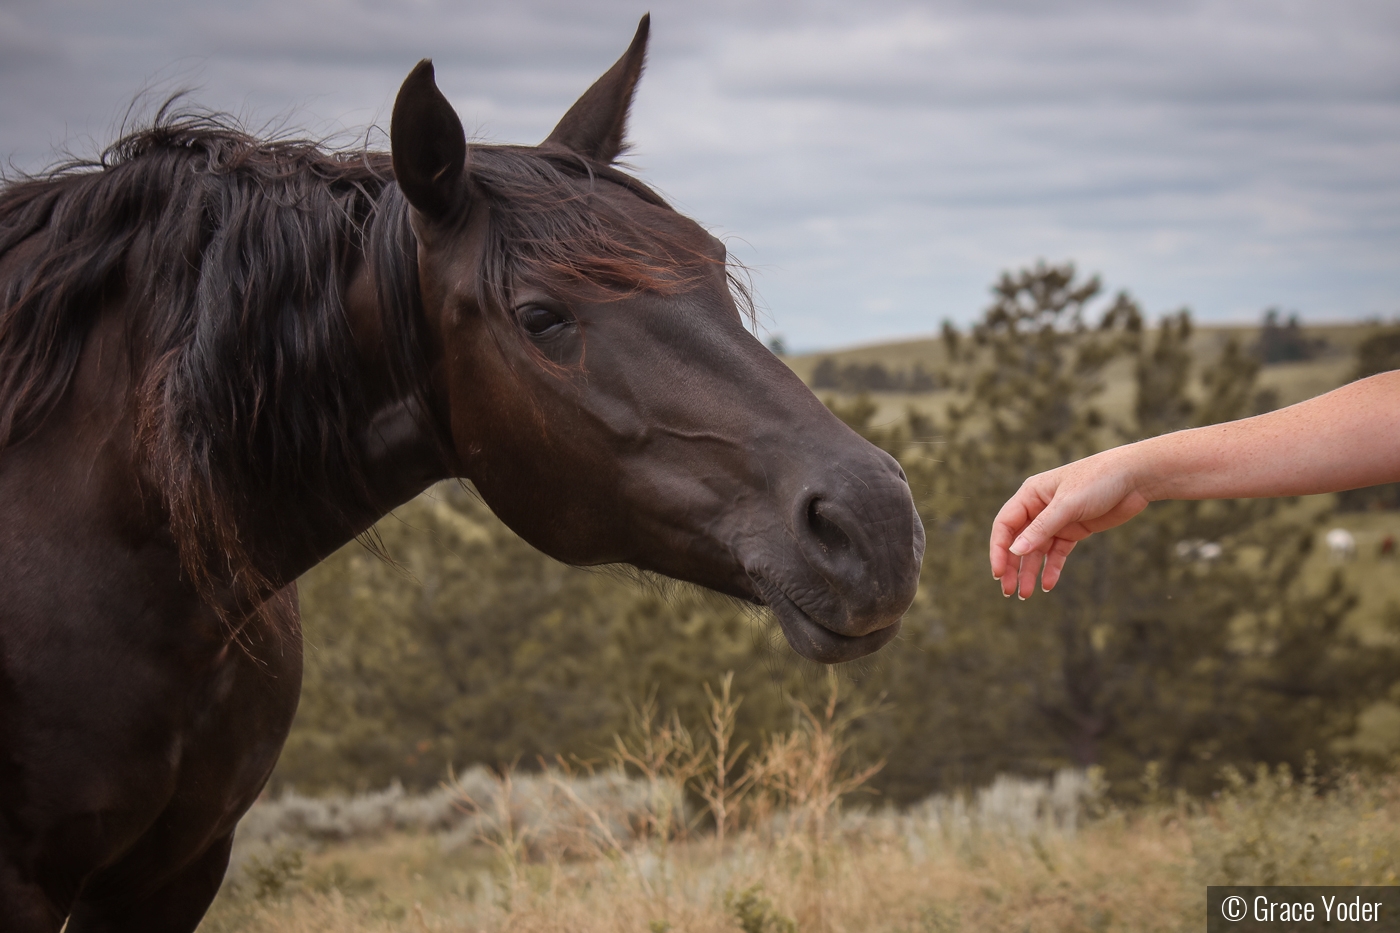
x,y
1302,908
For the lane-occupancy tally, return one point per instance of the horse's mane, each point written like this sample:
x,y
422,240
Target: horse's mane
x,y
236,250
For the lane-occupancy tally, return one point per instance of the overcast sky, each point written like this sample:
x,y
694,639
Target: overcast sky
x,y
876,164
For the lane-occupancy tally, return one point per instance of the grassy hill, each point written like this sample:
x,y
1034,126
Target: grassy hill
x,y
1292,381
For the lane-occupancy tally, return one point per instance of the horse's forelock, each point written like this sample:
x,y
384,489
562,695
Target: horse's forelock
x,y
551,222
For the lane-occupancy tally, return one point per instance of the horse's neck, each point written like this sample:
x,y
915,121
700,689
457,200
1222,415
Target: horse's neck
x,y
403,449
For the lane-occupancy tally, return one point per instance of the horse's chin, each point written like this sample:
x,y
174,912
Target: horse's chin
x,y
814,641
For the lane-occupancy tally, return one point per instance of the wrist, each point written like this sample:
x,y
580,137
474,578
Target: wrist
x,y
1140,467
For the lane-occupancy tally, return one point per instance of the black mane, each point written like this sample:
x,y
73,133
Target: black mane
x,y
236,250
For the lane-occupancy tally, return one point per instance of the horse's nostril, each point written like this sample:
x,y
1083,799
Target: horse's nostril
x,y
831,536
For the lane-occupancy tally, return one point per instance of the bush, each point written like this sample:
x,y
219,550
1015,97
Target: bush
x,y
1270,827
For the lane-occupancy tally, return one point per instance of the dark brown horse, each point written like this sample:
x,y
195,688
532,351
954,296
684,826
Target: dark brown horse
x,y
222,358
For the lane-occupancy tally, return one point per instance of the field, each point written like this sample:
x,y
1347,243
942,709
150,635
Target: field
x,y
1019,855
631,844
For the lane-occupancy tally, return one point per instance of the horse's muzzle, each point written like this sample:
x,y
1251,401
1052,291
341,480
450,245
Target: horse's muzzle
x,y
851,569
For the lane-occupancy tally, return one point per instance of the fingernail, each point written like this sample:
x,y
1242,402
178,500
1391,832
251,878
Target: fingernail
x,y
1020,547
1044,588
1007,595
996,578
1020,597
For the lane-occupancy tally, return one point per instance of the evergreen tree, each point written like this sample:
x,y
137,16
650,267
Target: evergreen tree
x,y
1152,647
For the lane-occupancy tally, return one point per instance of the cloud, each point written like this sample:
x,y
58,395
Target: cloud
x,y
878,164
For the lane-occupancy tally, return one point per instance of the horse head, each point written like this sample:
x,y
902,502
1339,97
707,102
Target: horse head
x,y
593,377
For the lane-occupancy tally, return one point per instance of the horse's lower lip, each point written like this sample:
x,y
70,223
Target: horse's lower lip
x,y
810,638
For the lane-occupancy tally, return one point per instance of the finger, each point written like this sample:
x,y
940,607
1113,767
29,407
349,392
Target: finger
x,y
1010,521
997,555
1030,569
1055,563
1011,578
1005,528
1002,560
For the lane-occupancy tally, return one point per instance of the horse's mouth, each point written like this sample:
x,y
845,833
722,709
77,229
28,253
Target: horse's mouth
x,y
810,638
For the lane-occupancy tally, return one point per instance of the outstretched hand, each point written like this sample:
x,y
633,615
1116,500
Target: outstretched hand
x,y
1054,511
1345,439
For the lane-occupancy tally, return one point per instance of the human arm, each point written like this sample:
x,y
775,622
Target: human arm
x,y
1348,438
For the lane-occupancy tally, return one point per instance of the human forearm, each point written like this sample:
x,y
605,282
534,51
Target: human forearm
x,y
1347,438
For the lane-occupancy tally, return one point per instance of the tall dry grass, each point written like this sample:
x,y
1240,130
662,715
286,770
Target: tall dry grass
x,y
672,835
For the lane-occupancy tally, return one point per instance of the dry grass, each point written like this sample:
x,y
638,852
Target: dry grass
x,y
876,873
621,850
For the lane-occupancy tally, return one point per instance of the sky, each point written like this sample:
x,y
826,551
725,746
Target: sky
x,y
875,165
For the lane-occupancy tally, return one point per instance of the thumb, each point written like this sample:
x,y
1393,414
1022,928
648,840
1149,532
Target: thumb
x,y
1042,529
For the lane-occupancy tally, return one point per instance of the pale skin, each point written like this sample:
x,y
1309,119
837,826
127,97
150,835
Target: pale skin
x,y
1345,439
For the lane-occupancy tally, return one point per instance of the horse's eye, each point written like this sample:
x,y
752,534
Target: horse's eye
x,y
539,321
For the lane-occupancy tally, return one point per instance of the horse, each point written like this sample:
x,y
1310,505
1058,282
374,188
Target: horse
x,y
224,357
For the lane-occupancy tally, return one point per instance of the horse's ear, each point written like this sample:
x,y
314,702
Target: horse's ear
x,y
596,124
429,146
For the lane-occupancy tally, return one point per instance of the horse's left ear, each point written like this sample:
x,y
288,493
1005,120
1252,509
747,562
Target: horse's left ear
x,y
428,144
596,124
